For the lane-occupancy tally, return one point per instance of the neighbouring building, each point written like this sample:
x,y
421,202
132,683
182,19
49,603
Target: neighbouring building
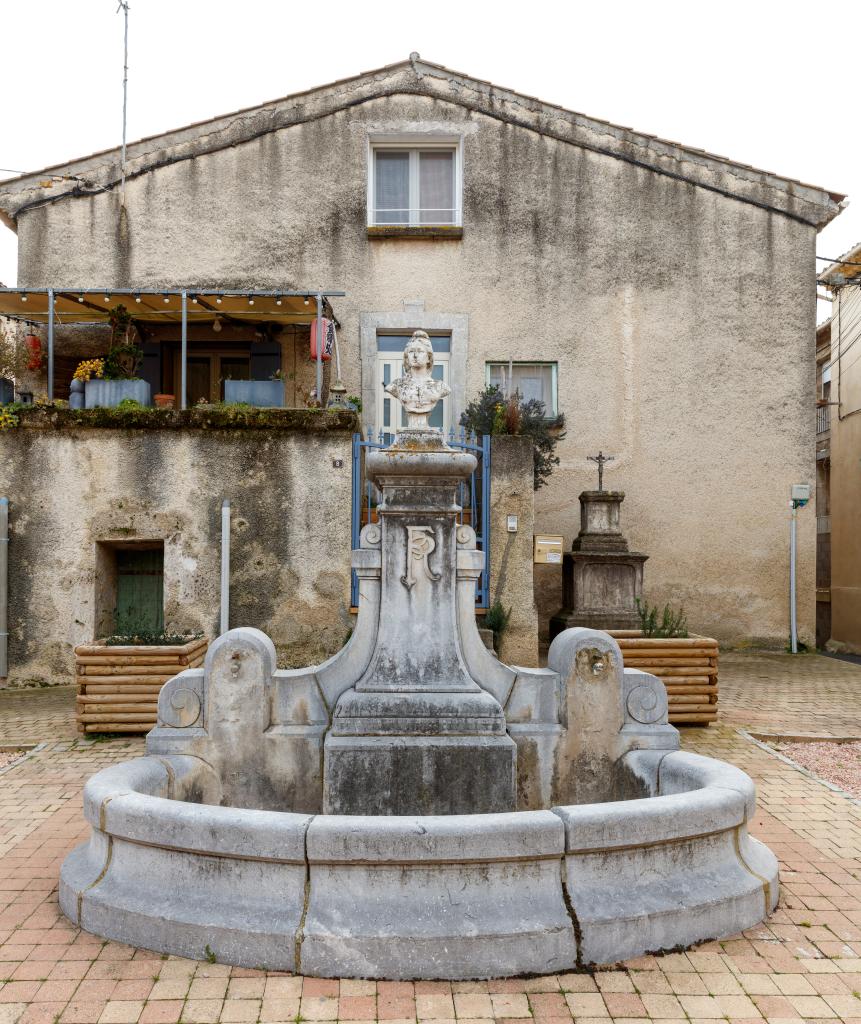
x,y
823,483
643,289
841,390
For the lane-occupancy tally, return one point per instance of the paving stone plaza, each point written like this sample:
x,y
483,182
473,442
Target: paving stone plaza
x,y
804,963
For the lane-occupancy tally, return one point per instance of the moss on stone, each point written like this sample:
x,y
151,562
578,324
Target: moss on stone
x,y
211,417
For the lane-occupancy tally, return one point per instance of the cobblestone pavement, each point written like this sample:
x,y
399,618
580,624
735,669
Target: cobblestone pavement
x,y
804,963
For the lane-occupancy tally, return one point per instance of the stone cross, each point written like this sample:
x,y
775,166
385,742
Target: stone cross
x,y
601,458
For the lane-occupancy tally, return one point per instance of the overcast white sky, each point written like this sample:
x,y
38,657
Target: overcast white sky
x,y
762,82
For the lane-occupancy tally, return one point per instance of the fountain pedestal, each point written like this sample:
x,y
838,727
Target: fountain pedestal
x,y
417,734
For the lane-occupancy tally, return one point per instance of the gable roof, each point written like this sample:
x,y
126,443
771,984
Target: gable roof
x,y
100,171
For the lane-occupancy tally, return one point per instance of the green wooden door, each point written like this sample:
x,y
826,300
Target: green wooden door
x,y
140,591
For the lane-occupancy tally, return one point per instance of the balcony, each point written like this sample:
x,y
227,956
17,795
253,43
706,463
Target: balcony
x,y
192,347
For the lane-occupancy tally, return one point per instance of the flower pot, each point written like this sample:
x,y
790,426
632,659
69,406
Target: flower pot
x,y
164,401
264,394
107,394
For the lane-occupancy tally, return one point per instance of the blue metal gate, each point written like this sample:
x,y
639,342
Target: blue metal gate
x,y
473,498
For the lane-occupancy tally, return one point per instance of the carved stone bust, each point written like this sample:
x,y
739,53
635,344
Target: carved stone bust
x,y
417,390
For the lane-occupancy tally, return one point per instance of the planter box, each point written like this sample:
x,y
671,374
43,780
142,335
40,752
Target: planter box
x,y
264,394
118,687
107,394
688,667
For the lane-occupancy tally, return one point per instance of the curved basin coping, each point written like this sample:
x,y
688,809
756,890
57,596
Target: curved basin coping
x,y
682,772
454,838
142,801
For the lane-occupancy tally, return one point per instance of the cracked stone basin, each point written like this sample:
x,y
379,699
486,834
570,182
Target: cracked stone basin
x,y
445,896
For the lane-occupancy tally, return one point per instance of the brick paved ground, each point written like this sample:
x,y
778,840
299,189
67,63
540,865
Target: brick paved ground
x,y
803,964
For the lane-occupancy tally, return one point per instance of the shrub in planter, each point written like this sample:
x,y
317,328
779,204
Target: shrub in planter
x,y
493,413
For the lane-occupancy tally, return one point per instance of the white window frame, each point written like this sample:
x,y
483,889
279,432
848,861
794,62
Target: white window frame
x,y
553,412
413,143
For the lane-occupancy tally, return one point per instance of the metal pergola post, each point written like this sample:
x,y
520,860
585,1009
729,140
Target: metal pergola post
x,y
183,397
50,344
320,349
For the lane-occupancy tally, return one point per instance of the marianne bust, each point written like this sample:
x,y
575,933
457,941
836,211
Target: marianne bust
x,y
417,390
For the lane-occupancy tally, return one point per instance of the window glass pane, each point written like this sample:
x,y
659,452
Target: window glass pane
x,y
436,417
530,380
498,377
392,187
534,382
436,187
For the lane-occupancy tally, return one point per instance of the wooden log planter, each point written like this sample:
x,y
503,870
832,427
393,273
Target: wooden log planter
x,y
118,687
688,667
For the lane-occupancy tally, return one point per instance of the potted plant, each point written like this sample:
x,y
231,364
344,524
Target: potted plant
x,y
164,401
119,678
687,664
118,378
263,394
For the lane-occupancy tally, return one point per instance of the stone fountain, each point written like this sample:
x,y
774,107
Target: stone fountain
x,y
413,808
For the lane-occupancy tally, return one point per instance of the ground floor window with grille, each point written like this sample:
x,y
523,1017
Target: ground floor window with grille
x,y
530,380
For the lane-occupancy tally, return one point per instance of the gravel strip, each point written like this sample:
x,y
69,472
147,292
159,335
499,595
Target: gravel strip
x,y
838,763
8,756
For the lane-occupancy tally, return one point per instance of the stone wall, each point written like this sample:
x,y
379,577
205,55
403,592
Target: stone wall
x,y
511,576
676,301
76,492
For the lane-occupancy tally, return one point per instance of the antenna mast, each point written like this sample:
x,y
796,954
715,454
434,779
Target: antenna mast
x,y
124,7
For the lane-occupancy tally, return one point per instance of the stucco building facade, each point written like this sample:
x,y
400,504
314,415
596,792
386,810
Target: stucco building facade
x,y
844,396
642,289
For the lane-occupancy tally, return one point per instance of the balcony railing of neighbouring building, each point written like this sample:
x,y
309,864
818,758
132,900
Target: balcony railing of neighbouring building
x,y
823,419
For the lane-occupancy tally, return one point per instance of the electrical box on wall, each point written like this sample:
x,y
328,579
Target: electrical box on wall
x,y
548,550
511,523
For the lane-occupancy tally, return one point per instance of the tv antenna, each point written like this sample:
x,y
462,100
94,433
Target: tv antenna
x,y
124,7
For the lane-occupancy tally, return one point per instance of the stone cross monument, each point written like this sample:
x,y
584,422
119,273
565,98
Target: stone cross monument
x,y
417,734
601,579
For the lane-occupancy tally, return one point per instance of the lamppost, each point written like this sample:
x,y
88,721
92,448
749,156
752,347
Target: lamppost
x,y
800,497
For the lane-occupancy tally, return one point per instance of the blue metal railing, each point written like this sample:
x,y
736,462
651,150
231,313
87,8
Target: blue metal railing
x,y
473,498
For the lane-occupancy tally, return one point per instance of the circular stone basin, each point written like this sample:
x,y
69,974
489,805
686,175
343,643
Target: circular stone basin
x,y
458,897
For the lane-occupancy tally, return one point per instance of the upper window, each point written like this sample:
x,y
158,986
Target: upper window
x,y
529,380
416,186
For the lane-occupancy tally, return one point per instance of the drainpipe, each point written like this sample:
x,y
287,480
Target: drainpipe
x,y
793,604
225,566
183,398
320,350
4,587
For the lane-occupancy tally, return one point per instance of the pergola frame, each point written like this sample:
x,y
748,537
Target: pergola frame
x,y
12,300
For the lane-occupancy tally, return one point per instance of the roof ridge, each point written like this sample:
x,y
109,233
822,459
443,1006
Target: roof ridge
x,y
482,88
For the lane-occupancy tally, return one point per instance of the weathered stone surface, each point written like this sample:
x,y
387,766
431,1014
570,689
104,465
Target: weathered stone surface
x,y
162,481
428,774
417,723
603,702
601,578
651,874
456,896
450,897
